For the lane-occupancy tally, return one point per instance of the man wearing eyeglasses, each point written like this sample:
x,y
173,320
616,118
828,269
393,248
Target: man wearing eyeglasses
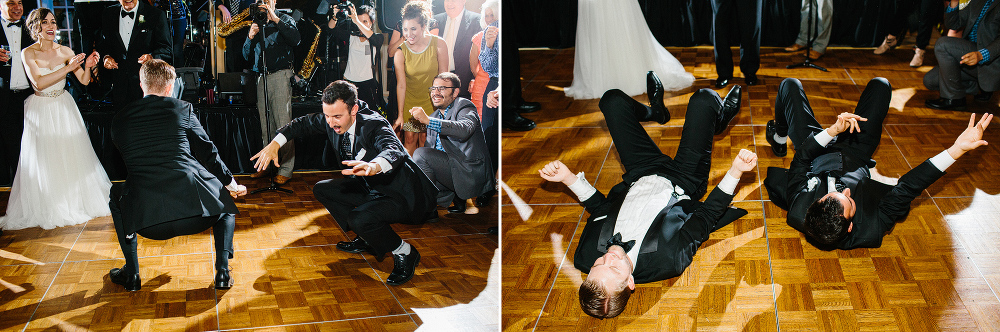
x,y
455,157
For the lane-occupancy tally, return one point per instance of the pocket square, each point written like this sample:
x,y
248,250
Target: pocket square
x,y
600,218
361,154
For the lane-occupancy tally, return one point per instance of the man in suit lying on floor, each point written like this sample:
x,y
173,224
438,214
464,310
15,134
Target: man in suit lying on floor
x,y
650,225
381,185
828,190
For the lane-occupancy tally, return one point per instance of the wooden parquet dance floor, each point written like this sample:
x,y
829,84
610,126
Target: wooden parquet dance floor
x,y
939,270
288,274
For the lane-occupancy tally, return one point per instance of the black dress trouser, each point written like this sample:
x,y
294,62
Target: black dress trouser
x,y
641,156
747,15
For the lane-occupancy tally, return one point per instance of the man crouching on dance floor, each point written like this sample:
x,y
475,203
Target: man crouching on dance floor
x,y
649,226
381,186
175,183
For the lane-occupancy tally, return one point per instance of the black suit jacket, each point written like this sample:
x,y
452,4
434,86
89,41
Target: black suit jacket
x,y
463,45
150,35
879,206
5,70
405,182
655,261
987,37
174,169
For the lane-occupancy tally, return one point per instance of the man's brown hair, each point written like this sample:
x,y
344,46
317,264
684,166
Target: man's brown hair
x,y
156,75
598,303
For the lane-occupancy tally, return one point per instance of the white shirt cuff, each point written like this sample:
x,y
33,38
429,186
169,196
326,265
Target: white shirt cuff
x,y
728,184
582,188
280,139
232,186
943,160
383,163
823,138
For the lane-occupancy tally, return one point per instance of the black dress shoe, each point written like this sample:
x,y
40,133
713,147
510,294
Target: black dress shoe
x,y
946,104
779,149
984,96
730,107
356,246
528,106
403,267
722,82
751,80
458,206
484,199
654,89
431,216
519,123
132,282
222,279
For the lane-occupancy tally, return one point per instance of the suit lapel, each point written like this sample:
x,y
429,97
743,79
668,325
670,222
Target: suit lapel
x,y
135,26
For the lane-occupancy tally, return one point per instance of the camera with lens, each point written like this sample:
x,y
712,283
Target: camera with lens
x,y
345,8
260,16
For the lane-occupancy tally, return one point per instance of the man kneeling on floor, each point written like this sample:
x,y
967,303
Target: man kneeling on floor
x,y
651,224
381,185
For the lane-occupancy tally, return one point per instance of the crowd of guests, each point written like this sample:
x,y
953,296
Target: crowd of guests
x,y
422,145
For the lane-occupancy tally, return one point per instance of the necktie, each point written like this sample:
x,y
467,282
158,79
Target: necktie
x,y
129,14
18,23
346,152
617,240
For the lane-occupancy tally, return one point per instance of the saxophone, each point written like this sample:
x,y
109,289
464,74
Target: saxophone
x,y
238,22
309,64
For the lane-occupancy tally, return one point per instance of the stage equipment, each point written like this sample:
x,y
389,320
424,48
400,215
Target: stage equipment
x,y
811,32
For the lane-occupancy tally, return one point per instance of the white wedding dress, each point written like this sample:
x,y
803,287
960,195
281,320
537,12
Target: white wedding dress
x,y
615,49
59,181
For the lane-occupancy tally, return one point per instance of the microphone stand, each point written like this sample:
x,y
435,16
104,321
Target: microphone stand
x,y
267,109
813,26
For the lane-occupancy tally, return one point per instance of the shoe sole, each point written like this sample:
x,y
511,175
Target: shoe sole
x,y
410,277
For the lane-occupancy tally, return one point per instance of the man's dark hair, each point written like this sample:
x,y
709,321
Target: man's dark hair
x,y
451,78
825,221
598,303
341,90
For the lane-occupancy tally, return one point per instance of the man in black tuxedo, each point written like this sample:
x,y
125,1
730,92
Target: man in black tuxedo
x,y
382,185
131,34
650,225
176,184
458,26
14,86
455,156
966,65
827,190
746,14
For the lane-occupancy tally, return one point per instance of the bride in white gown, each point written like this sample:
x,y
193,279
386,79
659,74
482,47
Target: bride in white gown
x,y
59,181
615,49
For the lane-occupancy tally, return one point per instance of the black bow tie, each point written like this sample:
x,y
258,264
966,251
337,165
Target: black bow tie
x,y
617,241
129,14
18,23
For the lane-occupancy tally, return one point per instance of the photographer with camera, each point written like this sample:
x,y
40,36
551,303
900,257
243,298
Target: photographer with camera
x,y
270,54
355,30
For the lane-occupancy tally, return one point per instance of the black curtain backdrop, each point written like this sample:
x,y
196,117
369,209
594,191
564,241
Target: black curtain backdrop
x,y
552,23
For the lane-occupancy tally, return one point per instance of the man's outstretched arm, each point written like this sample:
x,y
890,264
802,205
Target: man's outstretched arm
x,y
897,202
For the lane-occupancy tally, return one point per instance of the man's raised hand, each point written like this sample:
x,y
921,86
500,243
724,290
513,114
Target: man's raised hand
x,y
846,121
556,171
972,137
745,161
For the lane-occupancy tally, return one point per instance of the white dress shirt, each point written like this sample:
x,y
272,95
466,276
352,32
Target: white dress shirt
x,y
125,25
18,78
645,199
451,35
